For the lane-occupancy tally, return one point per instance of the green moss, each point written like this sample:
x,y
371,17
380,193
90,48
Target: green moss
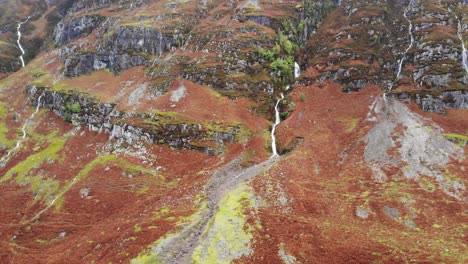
x,y
427,184
83,174
4,142
460,140
268,55
141,22
301,97
49,154
160,213
41,78
145,259
150,255
349,122
6,83
43,188
137,228
3,111
227,237
397,191
73,108
143,190
136,169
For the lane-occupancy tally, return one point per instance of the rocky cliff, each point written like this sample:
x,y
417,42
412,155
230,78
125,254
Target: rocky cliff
x,y
159,131
82,109
395,44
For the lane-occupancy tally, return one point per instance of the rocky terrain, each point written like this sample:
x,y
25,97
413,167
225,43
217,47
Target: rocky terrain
x,y
282,131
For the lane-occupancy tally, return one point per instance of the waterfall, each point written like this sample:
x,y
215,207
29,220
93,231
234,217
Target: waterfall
x,y
277,121
19,40
464,51
410,32
297,70
23,130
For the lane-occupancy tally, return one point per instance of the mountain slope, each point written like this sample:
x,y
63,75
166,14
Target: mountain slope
x,y
140,131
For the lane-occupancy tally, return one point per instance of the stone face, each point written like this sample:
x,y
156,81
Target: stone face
x,y
362,48
81,109
403,139
438,102
86,4
67,31
262,20
127,47
138,39
81,64
369,46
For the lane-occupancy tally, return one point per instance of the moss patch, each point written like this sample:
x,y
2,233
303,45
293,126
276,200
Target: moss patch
x,y
460,140
350,123
4,142
151,255
49,154
83,174
227,236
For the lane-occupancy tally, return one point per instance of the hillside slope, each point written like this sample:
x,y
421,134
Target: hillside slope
x,y
144,131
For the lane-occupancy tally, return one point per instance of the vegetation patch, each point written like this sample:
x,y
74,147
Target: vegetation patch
x,y
49,154
4,142
151,255
350,123
458,139
43,188
228,236
83,174
280,59
73,108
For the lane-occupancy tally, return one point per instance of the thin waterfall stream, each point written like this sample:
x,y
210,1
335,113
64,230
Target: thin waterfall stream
x,y
464,51
402,60
410,32
274,150
277,121
297,70
19,41
5,158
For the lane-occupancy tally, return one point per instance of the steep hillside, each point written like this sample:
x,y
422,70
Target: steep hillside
x,y
160,131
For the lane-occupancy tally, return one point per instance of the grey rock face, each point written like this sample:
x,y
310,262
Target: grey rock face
x,y
81,64
262,20
85,4
67,31
311,14
406,141
139,39
127,47
82,109
438,103
382,41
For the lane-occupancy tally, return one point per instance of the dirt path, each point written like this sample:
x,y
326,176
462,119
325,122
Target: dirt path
x,y
180,247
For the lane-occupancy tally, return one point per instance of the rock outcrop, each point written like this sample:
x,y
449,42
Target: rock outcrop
x,y
82,109
363,44
123,48
437,102
81,64
140,39
91,4
78,27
